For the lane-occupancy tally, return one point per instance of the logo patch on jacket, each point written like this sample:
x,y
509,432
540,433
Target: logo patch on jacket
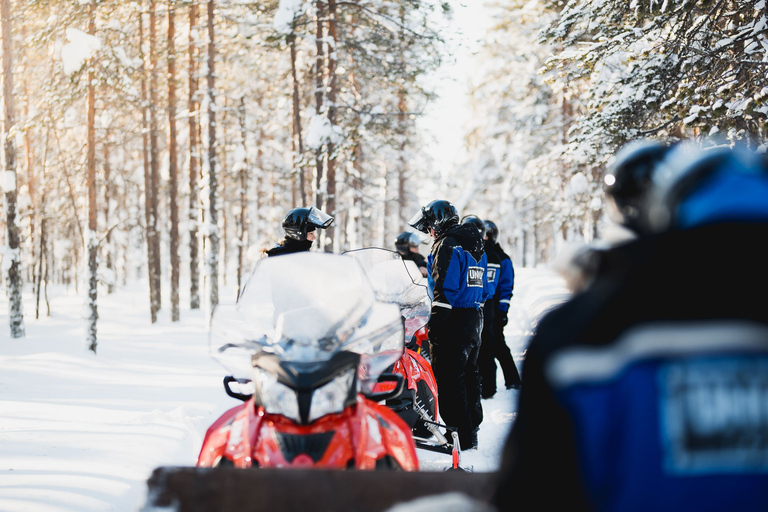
x,y
715,415
475,277
493,269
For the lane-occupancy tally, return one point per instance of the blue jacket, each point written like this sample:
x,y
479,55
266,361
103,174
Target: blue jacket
x,y
506,281
456,269
647,391
494,270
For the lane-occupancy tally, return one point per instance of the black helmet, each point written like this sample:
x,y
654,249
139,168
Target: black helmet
x,y
438,215
629,179
300,221
405,240
475,221
491,231
694,187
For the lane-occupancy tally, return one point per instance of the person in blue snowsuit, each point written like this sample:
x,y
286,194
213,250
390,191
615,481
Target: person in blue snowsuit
x,y
647,390
498,348
456,270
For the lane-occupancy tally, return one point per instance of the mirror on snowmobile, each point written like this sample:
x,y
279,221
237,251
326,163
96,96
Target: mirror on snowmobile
x,y
229,380
386,395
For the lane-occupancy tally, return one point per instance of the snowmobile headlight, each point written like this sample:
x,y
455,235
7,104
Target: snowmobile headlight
x,y
277,398
331,397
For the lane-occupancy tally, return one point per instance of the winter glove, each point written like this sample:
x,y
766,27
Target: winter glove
x,y
503,317
437,320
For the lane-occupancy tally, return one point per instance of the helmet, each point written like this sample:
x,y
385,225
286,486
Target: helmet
x,y
438,215
475,221
491,230
696,187
628,181
300,221
405,240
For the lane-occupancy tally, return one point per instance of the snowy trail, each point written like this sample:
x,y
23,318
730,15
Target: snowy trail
x,y
82,433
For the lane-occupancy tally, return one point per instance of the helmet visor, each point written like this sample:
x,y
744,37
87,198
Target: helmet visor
x,y
318,218
420,221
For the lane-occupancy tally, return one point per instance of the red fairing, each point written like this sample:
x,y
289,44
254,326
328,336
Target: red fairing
x,y
426,374
359,436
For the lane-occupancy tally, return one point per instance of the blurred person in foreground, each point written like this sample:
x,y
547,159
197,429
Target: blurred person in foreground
x,y
299,228
648,390
628,181
456,277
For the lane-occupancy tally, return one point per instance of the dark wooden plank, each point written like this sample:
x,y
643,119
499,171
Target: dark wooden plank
x,y
315,490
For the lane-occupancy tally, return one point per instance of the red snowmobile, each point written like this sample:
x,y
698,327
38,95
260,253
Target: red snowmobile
x,y
417,405
310,337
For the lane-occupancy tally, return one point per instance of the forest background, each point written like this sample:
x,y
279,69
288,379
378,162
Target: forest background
x,y
164,140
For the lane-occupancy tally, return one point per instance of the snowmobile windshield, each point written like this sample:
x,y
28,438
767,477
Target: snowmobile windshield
x,y
319,218
396,283
306,307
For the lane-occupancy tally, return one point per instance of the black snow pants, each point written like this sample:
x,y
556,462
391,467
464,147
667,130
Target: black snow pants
x,y
486,360
502,353
454,337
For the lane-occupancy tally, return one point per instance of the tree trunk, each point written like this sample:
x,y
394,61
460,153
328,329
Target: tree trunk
x,y
173,183
213,259
194,162
402,130
15,310
108,235
147,173
242,224
92,239
40,263
330,198
154,160
319,98
296,141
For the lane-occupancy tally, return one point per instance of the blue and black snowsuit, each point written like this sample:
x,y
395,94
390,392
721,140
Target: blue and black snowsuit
x,y
506,285
456,271
648,390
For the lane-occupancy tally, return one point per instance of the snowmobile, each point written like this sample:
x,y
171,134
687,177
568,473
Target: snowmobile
x,y
305,345
417,404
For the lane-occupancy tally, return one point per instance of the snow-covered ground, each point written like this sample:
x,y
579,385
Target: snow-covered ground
x,y
82,432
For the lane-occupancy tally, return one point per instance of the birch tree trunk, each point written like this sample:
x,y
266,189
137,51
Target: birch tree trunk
x,y
15,311
193,104
147,172
213,258
108,249
330,199
154,162
296,141
173,183
319,99
92,239
242,223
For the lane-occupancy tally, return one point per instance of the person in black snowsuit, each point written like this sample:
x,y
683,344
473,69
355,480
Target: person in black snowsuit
x,y
485,359
456,275
407,246
299,227
639,393
500,302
